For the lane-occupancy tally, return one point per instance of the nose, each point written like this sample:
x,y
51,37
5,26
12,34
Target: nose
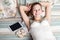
x,y
36,11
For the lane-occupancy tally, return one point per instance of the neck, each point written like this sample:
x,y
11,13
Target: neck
x,y
38,19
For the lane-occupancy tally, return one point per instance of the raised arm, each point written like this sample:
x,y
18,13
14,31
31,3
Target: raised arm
x,y
24,16
47,6
48,12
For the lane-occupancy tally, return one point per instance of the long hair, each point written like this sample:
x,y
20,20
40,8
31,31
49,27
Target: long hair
x,y
30,13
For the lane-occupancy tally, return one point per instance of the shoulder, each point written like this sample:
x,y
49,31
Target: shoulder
x,y
45,22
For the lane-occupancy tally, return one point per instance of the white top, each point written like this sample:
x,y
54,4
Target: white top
x,y
41,31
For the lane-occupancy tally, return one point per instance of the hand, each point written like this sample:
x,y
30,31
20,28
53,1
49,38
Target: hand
x,y
45,4
29,6
24,8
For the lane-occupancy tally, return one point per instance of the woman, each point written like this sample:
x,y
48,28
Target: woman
x,y
39,26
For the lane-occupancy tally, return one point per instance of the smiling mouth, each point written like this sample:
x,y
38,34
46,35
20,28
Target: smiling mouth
x,y
37,14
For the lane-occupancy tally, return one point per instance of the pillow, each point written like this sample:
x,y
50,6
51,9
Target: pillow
x,y
8,8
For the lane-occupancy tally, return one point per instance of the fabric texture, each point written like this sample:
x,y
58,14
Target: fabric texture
x,y
41,31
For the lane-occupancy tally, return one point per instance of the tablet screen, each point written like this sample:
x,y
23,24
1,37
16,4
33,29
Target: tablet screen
x,y
15,26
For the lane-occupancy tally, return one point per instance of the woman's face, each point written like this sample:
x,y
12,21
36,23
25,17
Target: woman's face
x,y
37,10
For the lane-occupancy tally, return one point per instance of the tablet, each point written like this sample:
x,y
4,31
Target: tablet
x,y
15,26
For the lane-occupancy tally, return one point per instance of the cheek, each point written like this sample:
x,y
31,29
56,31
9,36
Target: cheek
x,y
34,12
39,12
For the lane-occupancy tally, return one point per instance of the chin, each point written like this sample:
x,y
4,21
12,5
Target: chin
x,y
37,15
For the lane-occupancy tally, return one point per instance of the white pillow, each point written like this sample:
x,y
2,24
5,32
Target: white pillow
x,y
8,8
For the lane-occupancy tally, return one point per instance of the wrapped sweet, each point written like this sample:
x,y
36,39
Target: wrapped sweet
x,y
21,33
